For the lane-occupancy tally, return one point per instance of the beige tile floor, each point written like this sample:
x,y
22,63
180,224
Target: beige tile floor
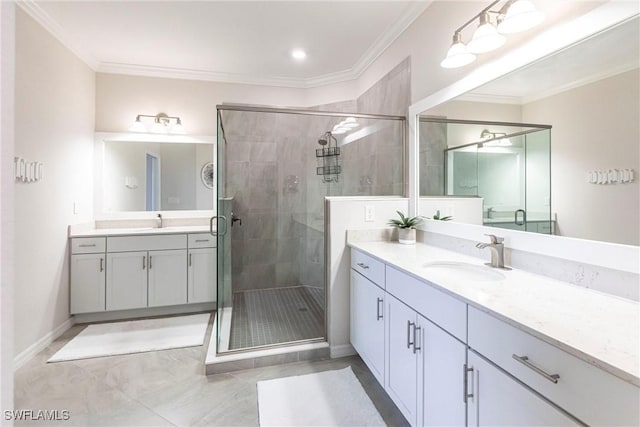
x,y
162,388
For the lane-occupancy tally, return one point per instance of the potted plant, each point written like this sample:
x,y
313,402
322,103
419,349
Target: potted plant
x,y
406,228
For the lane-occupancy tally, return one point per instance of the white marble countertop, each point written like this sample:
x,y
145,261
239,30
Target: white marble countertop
x,y
99,232
599,328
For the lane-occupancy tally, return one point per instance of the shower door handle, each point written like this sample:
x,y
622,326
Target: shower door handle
x,y
218,217
524,217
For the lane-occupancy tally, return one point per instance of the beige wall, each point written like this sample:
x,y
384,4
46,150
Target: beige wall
x,y
7,59
428,38
599,130
54,124
120,98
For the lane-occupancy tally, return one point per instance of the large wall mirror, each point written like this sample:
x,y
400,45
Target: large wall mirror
x,y
551,148
134,174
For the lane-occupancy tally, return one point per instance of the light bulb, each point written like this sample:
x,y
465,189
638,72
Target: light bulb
x,y
137,126
457,55
520,16
486,37
177,128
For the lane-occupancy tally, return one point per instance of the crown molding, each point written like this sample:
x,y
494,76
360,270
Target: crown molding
x,y
384,40
203,75
31,8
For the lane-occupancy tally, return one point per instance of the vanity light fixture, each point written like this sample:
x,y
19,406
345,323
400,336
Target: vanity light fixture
x,y
514,16
162,123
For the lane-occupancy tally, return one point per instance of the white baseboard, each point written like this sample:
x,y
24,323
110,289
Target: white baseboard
x,y
342,350
108,316
35,348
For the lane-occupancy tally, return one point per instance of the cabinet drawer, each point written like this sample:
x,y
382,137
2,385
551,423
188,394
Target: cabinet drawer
x,y
201,240
592,395
369,267
146,243
442,309
88,245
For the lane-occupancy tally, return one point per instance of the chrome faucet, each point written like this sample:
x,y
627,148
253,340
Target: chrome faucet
x,y
159,221
497,251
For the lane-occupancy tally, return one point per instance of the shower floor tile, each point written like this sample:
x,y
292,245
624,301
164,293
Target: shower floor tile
x,y
274,316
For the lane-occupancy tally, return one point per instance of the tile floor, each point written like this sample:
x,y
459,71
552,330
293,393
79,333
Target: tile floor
x,y
273,316
163,388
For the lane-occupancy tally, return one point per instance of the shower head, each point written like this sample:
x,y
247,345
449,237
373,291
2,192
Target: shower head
x,y
322,140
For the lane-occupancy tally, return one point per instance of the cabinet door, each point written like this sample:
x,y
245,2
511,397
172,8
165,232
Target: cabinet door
x,y
87,283
126,280
167,277
401,374
443,362
367,323
202,275
498,400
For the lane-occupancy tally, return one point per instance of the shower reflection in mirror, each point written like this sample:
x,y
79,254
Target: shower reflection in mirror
x,y
506,164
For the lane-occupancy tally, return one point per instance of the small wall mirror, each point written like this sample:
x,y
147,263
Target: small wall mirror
x,y
134,175
573,156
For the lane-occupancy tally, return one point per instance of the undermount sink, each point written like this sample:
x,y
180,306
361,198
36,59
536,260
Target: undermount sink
x,y
465,271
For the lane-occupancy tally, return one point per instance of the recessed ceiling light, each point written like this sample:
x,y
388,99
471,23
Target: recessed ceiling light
x,y
298,54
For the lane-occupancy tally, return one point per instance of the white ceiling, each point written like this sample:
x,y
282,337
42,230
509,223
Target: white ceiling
x,y
237,41
603,55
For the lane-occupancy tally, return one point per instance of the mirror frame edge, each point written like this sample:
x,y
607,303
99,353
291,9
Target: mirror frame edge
x,y
553,40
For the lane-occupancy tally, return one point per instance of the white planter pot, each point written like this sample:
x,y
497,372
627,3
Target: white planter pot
x,y
407,236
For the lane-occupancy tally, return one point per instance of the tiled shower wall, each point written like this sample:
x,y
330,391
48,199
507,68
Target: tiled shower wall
x,y
271,172
433,143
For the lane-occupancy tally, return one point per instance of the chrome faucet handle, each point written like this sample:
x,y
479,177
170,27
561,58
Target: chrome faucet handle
x,y
494,239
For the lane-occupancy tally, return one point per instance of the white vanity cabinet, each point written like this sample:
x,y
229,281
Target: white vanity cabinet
x,y
425,361
167,278
495,399
127,272
202,272
88,275
450,363
367,317
591,395
146,271
126,280
402,358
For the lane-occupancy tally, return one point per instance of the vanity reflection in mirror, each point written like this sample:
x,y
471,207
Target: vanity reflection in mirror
x,y
550,148
155,176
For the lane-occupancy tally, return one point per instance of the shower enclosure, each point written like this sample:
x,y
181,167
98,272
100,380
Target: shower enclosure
x,y
274,169
508,165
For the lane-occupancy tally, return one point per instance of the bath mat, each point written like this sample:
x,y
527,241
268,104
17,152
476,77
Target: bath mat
x,y
331,398
137,336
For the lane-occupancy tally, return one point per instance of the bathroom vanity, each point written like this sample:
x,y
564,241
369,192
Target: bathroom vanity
x,y
456,343
137,268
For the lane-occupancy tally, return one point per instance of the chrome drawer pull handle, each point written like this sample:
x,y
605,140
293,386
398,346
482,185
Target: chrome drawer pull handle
x,y
378,311
465,383
101,265
202,240
415,338
409,325
84,245
525,361
363,265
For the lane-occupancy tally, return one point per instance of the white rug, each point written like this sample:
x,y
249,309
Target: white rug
x,y
331,398
137,336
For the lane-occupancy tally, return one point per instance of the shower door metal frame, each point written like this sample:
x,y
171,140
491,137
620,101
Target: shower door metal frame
x,y
306,112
